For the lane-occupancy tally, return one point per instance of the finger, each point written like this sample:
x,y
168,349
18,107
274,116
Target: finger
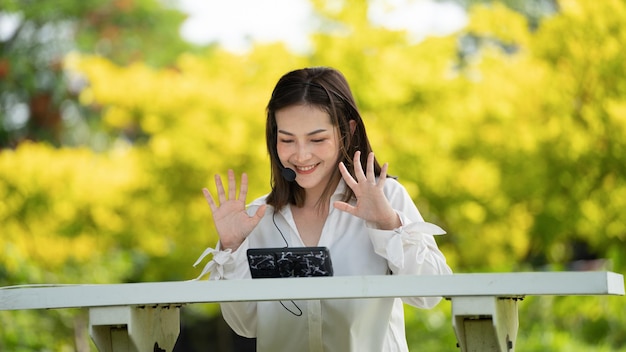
x,y
209,199
232,185
243,187
358,168
383,175
221,195
370,168
260,212
346,175
343,206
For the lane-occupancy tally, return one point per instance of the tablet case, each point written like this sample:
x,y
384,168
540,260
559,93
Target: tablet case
x,y
289,262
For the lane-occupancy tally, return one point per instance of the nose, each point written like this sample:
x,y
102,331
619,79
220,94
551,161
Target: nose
x,y
303,152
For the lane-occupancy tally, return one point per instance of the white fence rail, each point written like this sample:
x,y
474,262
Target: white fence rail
x,y
146,316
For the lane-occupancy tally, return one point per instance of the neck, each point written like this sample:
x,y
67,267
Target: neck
x,y
315,198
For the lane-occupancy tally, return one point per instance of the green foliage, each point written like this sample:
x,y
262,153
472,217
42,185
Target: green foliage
x,y
430,330
32,80
515,148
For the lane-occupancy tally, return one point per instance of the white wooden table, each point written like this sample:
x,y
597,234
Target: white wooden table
x,y
143,317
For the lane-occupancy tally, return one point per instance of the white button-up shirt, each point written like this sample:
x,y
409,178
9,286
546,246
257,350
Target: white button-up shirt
x,y
356,248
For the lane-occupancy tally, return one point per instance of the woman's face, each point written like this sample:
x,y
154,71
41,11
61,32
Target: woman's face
x,y
308,143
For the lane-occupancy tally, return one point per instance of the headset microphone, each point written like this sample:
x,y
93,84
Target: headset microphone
x,y
288,174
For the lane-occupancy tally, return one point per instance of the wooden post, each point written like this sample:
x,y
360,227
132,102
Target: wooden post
x,y
485,323
135,328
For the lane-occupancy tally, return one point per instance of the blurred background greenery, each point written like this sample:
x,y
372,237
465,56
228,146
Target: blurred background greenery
x,y
509,133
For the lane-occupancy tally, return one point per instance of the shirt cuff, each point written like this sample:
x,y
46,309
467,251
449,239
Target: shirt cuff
x,y
223,263
390,243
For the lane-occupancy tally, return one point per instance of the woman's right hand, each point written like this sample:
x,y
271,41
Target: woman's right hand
x,y
231,220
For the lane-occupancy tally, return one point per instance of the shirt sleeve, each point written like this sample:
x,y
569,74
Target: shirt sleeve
x,y
410,249
233,265
229,265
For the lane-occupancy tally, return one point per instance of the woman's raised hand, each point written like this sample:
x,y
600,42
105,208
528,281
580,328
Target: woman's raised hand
x,y
231,220
371,203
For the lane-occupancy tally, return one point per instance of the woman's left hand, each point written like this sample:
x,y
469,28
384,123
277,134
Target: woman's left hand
x,y
371,203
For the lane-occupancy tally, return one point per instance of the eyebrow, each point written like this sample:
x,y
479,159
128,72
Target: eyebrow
x,y
308,134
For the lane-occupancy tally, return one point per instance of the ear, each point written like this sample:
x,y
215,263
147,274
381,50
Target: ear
x,y
352,126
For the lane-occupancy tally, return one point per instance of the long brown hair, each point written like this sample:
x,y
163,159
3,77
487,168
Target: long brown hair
x,y
328,90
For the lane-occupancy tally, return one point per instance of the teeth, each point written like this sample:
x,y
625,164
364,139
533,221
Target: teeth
x,y
306,168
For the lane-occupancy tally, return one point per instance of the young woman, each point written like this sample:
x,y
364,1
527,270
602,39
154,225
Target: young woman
x,y
328,190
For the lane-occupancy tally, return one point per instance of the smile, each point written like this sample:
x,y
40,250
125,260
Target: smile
x,y
305,169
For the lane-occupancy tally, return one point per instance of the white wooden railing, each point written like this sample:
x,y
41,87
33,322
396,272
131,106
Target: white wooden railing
x,y
142,317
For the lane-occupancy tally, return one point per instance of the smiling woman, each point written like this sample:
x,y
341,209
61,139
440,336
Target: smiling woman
x,y
341,199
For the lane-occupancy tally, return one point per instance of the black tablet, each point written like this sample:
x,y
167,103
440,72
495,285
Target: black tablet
x,y
289,262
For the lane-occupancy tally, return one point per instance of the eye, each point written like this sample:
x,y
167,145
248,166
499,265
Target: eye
x,y
282,140
320,140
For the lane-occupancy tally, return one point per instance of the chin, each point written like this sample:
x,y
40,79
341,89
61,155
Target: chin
x,y
311,181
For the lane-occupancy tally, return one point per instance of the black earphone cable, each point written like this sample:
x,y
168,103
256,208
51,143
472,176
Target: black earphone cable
x,y
299,313
277,228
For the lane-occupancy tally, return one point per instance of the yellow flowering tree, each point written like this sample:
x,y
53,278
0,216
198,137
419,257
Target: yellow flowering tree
x,y
516,149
